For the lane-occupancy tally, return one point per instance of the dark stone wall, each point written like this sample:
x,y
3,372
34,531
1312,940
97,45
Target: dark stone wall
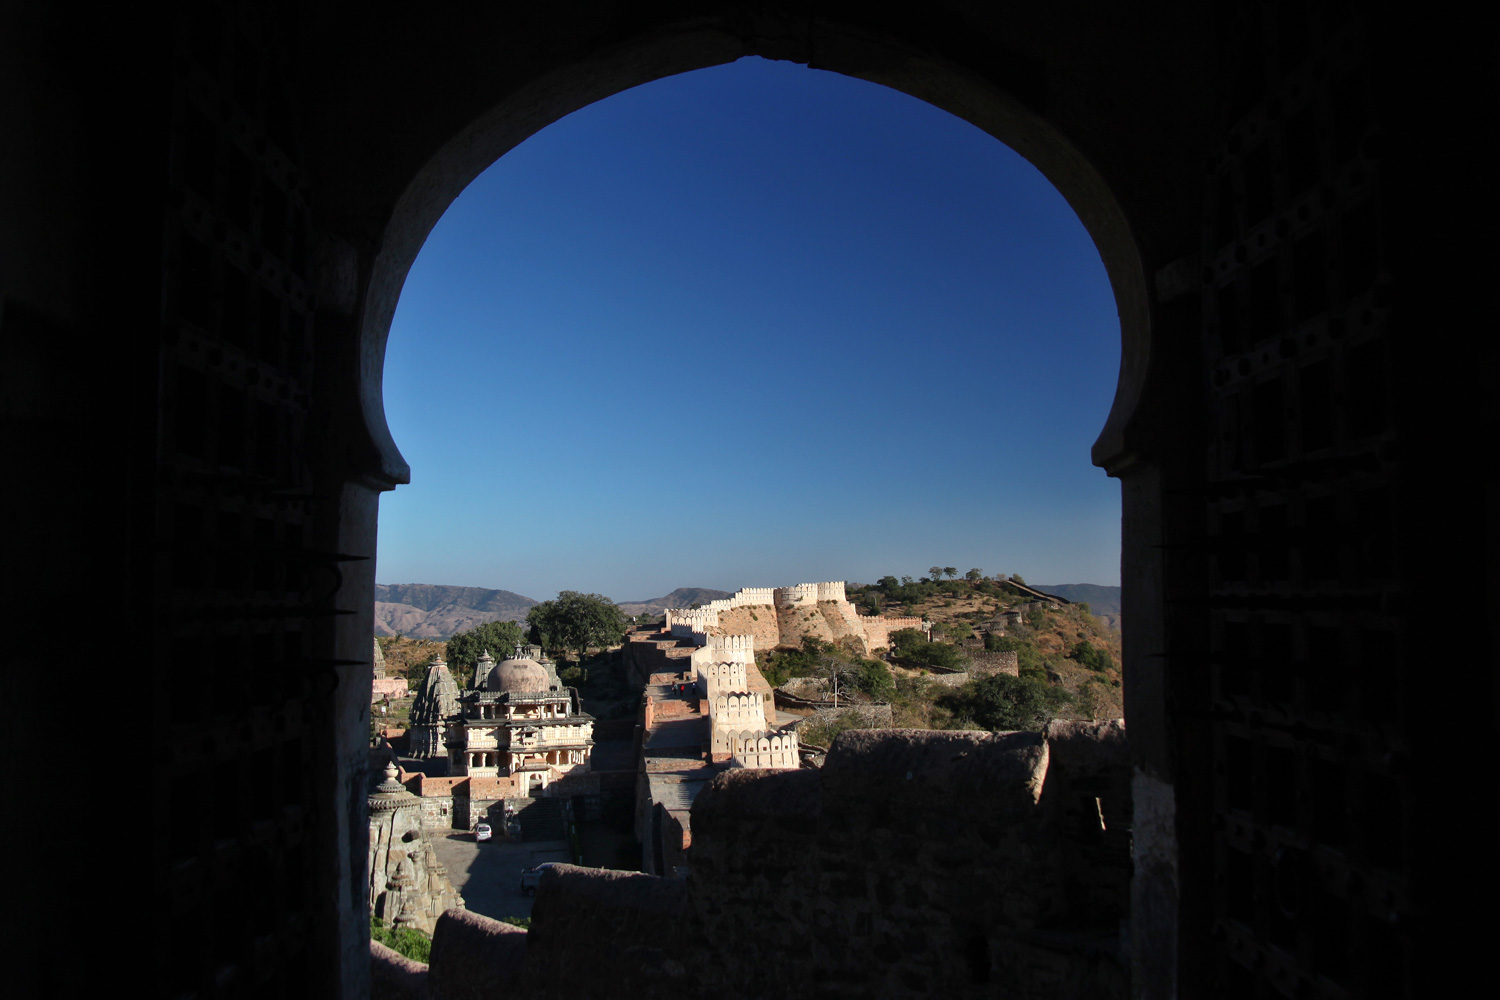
x,y
209,212
912,864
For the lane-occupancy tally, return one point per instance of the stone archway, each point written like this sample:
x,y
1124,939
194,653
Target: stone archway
x,y
886,61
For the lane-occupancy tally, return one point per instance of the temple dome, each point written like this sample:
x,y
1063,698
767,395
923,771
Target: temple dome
x,y
519,674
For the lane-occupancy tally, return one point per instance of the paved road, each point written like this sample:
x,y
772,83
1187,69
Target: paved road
x,y
488,875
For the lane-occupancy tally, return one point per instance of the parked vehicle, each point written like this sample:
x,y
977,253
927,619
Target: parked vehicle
x,y
482,832
531,876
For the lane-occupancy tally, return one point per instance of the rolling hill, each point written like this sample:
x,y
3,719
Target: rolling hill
x,y
438,611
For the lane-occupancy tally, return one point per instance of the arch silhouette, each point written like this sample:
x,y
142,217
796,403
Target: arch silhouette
x,y
886,61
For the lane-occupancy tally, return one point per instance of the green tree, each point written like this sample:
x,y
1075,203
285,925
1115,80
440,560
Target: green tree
x,y
577,621
912,646
1028,655
974,575
1092,656
464,649
874,679
950,571
905,639
1002,703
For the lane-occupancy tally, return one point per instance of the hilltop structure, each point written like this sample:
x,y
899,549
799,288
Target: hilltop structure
x,y
782,616
707,708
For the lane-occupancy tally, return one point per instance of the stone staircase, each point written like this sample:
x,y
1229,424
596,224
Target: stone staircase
x,y
541,819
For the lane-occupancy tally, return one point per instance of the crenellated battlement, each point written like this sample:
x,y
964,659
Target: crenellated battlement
x,y
765,748
684,622
722,677
737,710
709,613
799,595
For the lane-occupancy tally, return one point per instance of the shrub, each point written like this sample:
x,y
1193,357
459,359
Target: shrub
x,y
405,940
820,732
1092,656
1000,702
875,680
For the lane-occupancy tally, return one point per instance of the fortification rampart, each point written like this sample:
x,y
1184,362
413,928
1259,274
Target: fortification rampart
x,y
755,620
686,622
738,710
797,595
723,649
983,662
766,749
878,630
654,653
716,679
911,864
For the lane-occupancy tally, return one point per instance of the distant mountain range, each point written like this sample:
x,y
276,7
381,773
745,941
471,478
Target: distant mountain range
x,y
439,611
1100,599
682,597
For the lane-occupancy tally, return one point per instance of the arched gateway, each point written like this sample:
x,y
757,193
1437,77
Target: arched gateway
x,y
198,270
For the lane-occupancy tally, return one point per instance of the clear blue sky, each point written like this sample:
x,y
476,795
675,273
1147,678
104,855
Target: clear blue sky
x,y
752,326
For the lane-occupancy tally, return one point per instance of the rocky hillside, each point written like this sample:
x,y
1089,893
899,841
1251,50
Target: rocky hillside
x,y
438,611
682,597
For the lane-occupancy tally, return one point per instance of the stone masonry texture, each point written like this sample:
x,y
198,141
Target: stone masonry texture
x,y
914,863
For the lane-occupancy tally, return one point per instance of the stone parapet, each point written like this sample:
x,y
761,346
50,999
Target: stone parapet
x,y
474,957
393,976
913,864
635,930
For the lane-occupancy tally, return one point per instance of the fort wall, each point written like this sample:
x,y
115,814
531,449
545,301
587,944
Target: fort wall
x,y
738,710
765,749
723,649
878,630
756,621
912,864
715,679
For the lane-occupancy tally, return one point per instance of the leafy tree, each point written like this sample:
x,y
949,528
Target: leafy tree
x,y
934,573
1091,656
974,575
950,571
464,649
577,621
1017,578
1002,703
1028,656
874,679
960,630
912,646
904,640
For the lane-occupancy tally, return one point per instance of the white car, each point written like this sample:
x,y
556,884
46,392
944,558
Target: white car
x,y
531,876
482,832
